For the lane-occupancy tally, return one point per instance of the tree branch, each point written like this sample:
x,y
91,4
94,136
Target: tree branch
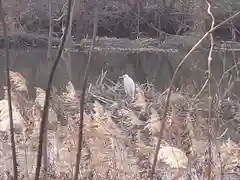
x,y
209,167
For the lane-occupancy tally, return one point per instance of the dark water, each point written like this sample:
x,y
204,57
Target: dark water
x,y
156,68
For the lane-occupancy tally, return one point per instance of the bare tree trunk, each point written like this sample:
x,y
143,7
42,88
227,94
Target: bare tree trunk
x,y
6,43
49,57
66,56
48,93
80,137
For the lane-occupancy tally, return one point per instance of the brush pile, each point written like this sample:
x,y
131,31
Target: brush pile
x,y
119,137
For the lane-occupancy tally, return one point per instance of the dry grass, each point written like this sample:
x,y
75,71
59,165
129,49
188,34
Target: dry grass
x,y
119,138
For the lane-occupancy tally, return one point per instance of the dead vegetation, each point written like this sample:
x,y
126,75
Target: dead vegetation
x,y
120,138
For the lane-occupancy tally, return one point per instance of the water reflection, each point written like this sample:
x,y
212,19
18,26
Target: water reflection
x,y
156,68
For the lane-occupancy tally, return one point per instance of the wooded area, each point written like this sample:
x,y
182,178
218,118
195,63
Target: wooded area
x,y
124,19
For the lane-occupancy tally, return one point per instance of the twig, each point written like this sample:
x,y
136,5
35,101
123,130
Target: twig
x,y
100,79
198,94
49,52
228,91
209,167
6,42
138,21
223,134
48,91
105,100
171,86
63,14
227,71
60,18
80,137
233,53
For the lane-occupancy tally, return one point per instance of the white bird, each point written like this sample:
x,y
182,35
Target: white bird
x,y
129,85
